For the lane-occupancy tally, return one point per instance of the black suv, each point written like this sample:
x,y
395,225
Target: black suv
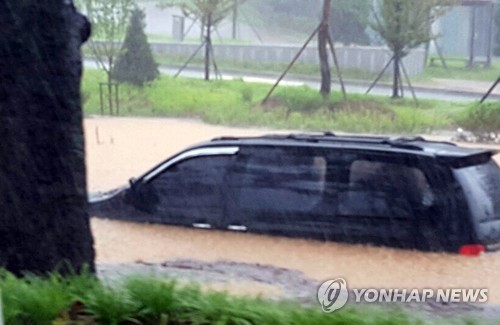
x,y
400,192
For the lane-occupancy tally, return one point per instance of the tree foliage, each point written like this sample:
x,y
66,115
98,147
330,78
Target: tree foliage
x,y
405,25
109,20
202,9
136,64
349,18
210,13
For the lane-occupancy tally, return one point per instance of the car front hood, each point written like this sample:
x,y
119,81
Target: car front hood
x,y
97,197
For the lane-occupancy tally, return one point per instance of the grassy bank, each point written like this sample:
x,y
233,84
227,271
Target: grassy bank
x,y
139,300
239,103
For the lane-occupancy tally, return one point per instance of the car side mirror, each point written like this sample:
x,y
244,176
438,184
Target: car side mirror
x,y
142,196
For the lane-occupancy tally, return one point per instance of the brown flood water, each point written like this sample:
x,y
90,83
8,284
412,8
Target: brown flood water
x,y
128,147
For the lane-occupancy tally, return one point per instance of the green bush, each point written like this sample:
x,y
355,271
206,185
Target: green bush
x,y
136,64
482,118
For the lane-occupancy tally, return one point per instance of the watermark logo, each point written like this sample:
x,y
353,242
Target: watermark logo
x,y
333,295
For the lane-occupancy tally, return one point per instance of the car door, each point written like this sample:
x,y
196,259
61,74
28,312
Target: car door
x,y
273,190
189,190
383,201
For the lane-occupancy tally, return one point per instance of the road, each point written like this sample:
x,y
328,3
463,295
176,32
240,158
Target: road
x,y
358,87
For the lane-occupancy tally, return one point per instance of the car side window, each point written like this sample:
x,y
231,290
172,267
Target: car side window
x,y
384,189
278,181
193,189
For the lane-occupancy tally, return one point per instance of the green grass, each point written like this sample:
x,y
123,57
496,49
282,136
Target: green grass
x,y
481,118
459,70
148,300
239,103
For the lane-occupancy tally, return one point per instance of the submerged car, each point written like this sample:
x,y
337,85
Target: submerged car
x,y
399,192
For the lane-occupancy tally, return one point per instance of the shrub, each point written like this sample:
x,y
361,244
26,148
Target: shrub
x,y
136,64
482,119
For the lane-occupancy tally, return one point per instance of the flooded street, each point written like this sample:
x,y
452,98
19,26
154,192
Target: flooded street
x,y
120,148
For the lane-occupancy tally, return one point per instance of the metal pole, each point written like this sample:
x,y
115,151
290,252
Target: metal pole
x,y
490,90
101,98
216,68
189,60
379,75
189,28
291,64
252,27
337,66
440,53
407,76
117,102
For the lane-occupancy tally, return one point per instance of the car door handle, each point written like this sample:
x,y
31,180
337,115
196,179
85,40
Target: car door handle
x,y
237,228
202,225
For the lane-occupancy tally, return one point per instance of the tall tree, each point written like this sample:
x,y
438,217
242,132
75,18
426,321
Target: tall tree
x,y
136,64
109,20
209,13
324,65
324,41
404,25
43,218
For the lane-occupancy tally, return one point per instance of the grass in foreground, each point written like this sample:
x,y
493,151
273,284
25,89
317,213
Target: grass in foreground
x,y
140,300
239,103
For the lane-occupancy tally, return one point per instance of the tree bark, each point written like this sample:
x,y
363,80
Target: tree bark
x,y
472,39
110,87
396,77
235,20
326,79
208,44
43,216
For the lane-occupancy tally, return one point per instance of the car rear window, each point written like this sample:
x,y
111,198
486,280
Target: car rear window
x,y
484,180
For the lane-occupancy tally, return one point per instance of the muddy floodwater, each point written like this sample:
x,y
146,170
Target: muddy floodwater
x,y
120,148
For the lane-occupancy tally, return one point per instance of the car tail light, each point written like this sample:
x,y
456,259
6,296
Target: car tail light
x,y
472,250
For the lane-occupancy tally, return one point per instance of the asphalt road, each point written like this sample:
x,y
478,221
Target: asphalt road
x,y
358,87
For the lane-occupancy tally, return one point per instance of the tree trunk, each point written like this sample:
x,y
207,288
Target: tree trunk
x,y
396,77
326,80
110,87
43,216
235,20
208,44
472,39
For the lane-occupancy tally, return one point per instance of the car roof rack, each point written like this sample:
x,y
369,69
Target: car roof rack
x,y
410,143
